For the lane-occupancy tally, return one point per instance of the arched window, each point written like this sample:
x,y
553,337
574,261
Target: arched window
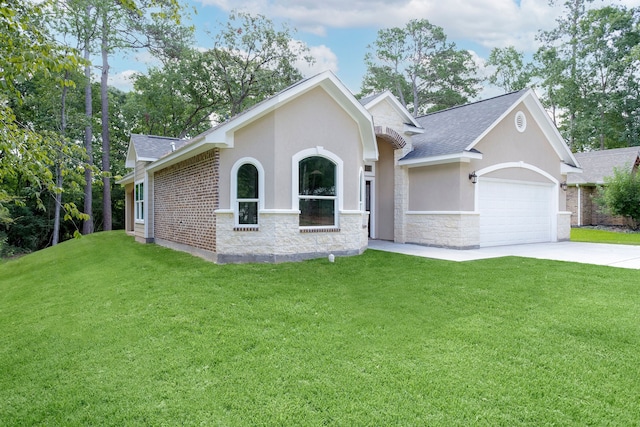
x,y
318,201
247,195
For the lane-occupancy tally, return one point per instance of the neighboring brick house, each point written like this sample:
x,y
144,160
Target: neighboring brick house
x,y
582,188
313,171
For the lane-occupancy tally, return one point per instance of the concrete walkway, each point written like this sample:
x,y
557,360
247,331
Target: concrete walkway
x,y
622,256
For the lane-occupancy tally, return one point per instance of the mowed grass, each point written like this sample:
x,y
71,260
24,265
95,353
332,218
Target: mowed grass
x,y
603,236
104,331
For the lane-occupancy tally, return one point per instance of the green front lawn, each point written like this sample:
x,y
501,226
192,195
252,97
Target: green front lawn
x,y
602,236
104,331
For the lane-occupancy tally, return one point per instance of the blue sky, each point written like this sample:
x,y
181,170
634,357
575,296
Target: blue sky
x,y
338,31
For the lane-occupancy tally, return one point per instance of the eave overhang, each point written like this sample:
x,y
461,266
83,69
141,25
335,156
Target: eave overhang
x,y
464,157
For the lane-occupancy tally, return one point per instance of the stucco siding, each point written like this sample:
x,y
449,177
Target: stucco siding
x,y
505,144
385,186
311,120
440,188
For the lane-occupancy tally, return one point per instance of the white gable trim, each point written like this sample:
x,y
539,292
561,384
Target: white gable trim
x,y
522,165
400,109
565,169
223,136
542,119
130,160
464,157
127,179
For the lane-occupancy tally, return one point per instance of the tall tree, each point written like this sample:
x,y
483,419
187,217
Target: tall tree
x,y
587,64
26,50
510,71
563,39
419,65
608,36
103,28
250,60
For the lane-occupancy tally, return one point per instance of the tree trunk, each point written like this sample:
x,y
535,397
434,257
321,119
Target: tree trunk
x,y
87,225
106,143
63,130
416,96
602,128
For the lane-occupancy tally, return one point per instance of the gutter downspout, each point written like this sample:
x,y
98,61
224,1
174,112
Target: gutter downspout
x,y
579,205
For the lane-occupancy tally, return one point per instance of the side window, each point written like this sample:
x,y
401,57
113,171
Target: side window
x,y
139,201
317,192
247,195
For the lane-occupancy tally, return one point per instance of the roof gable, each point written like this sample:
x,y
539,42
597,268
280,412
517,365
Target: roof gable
x,y
455,132
223,135
149,148
598,164
373,100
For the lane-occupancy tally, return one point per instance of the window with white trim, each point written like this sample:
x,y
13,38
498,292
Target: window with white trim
x,y
247,195
318,201
139,201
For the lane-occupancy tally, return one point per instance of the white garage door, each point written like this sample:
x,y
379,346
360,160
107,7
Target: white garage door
x,y
514,212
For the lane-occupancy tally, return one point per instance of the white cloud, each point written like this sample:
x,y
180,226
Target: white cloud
x,y
325,59
122,80
489,23
147,58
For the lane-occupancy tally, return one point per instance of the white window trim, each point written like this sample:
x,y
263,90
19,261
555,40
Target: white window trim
x,y
295,187
136,202
234,189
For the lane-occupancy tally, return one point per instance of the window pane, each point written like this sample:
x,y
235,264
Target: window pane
x,y
314,212
247,212
247,182
139,188
317,177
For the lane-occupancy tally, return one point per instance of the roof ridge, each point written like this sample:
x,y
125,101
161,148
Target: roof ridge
x,y
157,136
474,103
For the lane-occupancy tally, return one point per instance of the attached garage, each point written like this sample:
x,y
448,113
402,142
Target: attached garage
x,y
515,212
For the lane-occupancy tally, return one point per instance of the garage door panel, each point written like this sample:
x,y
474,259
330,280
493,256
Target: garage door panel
x,y
514,212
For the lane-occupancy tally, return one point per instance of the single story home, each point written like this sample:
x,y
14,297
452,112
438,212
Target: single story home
x,y
583,188
312,171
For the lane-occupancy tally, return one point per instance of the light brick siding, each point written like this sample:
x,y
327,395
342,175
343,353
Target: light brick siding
x,y
279,238
454,230
591,212
186,196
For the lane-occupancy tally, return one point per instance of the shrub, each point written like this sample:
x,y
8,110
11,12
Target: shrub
x,y
621,195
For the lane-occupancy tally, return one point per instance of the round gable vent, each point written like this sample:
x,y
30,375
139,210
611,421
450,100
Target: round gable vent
x,y
521,121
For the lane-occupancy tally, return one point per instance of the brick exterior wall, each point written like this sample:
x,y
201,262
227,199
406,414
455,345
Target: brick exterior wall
x,y
591,213
186,197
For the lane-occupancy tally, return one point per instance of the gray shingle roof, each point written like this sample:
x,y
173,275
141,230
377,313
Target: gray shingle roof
x,y
451,131
598,164
154,147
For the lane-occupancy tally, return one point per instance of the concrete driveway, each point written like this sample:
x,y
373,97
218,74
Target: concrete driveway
x,y
622,256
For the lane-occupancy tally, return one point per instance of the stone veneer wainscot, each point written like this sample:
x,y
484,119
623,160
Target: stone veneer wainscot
x,y
279,238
